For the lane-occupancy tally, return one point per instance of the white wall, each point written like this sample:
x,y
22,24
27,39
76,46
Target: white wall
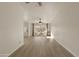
x,y
64,18
11,27
66,26
34,12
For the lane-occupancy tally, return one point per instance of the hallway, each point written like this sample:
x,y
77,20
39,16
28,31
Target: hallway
x,y
19,19
41,47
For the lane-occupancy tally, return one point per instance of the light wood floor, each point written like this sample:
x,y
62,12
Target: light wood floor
x,y
41,47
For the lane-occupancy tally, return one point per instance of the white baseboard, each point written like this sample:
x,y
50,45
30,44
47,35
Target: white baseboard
x,y
15,49
66,48
6,55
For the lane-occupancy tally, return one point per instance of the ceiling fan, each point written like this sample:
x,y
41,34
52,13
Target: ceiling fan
x,y
39,3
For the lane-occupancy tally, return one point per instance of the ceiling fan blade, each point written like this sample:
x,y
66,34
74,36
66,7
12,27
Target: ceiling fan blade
x,y
27,2
39,3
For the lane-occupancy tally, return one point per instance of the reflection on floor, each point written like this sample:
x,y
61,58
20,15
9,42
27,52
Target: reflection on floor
x,y
41,47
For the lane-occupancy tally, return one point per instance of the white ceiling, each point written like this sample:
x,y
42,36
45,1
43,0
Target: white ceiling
x,y
46,12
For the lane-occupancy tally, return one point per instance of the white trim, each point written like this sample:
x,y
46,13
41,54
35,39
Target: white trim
x,y
8,54
66,48
15,49
3,55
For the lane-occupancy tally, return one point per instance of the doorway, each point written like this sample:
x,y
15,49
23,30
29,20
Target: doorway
x,y
40,29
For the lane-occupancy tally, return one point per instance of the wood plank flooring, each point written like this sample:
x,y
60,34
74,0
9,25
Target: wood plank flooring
x,y
41,47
